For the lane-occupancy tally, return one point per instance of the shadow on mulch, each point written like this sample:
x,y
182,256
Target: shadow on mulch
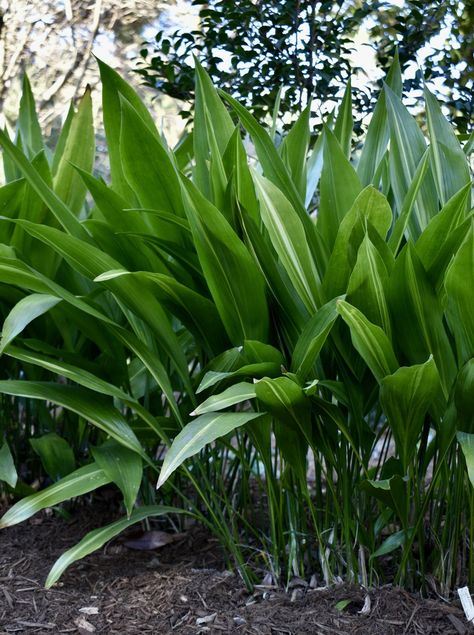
x,y
182,588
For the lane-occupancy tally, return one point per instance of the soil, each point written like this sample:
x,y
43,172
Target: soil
x,y
184,588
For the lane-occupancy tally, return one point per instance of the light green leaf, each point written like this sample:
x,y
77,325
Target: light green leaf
x,y
449,163
56,455
370,341
199,433
24,312
406,396
8,472
79,149
459,283
237,393
289,239
98,537
85,479
123,467
313,337
91,406
29,128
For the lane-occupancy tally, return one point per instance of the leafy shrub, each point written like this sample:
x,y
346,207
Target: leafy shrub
x,y
204,298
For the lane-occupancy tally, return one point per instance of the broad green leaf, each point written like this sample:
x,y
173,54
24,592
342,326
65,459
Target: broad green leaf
x,y
84,378
402,222
91,262
391,492
370,341
449,163
418,316
393,542
367,284
273,167
377,137
149,170
55,453
199,433
79,149
198,313
85,479
466,441
406,396
63,136
285,400
63,214
24,312
314,167
339,188
123,467
235,394
234,280
85,403
464,397
260,369
407,147
344,123
289,239
441,226
209,111
459,284
313,337
370,208
8,472
294,149
113,86
98,537
28,126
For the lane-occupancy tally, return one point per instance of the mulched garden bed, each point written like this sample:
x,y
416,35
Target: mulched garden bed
x,y
183,588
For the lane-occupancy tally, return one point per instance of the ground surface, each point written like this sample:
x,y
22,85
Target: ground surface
x,y
182,588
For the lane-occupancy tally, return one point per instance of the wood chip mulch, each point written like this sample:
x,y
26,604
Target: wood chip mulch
x,y
184,588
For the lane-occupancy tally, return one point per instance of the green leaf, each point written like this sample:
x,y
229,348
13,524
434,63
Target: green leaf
x,y
339,188
63,214
418,314
459,283
24,312
79,149
113,86
85,403
449,164
393,542
466,441
294,149
85,479
406,396
273,167
367,284
235,282
370,209
288,237
98,537
56,455
407,147
196,312
123,467
370,341
28,126
8,472
313,337
149,171
199,433
377,137
248,370
235,394
345,121
440,227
